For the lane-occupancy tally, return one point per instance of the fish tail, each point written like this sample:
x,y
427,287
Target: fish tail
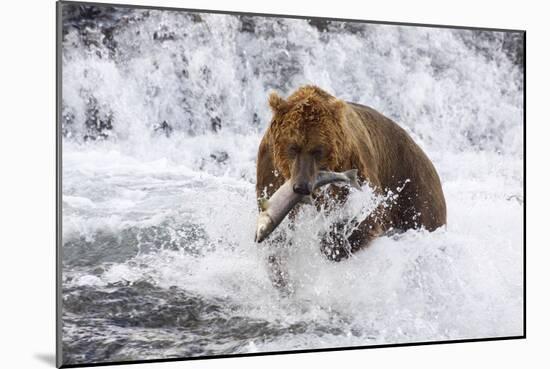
x,y
352,176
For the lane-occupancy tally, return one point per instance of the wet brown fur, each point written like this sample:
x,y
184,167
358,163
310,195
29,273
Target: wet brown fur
x,y
352,136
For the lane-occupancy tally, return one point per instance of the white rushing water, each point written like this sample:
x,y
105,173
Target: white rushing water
x,y
162,117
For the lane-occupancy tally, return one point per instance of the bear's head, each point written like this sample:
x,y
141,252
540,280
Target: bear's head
x,y
306,135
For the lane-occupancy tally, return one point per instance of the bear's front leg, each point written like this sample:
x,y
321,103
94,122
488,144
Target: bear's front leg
x,y
338,244
334,243
277,261
278,274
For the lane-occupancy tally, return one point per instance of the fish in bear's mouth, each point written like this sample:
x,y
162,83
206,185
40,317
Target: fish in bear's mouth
x,y
275,209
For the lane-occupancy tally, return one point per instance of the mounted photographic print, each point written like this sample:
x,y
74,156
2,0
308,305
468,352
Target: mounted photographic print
x,y
240,184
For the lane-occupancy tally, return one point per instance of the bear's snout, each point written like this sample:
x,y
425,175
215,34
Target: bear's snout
x,y
302,188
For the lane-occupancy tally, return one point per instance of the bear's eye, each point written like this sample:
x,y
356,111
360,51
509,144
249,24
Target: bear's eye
x,y
293,150
317,153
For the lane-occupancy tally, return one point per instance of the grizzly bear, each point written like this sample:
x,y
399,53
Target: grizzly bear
x,y
312,130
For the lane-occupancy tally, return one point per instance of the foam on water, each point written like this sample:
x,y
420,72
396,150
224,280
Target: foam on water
x,y
172,211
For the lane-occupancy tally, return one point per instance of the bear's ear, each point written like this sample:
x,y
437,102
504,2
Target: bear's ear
x,y
277,103
337,107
